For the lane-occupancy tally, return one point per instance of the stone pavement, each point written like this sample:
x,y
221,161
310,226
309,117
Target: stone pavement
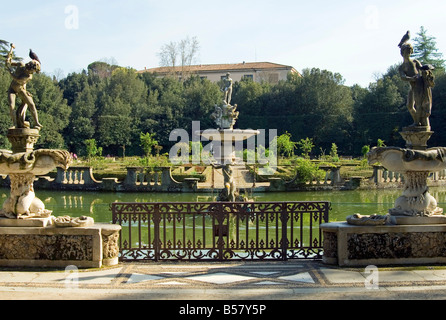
x,y
290,280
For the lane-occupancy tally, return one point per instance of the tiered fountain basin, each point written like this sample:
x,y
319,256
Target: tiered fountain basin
x,y
226,139
415,205
228,134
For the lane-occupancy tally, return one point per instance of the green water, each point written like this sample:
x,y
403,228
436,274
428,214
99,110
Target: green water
x,y
344,203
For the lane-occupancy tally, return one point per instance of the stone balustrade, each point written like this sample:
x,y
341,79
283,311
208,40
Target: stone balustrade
x,y
332,179
137,179
384,178
142,179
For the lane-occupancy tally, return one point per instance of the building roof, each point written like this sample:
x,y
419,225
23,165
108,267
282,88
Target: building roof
x,y
203,68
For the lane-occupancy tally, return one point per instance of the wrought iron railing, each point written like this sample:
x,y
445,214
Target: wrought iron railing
x,y
220,230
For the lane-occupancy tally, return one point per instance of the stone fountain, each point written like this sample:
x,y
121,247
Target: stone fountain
x,y
414,230
29,234
416,162
225,139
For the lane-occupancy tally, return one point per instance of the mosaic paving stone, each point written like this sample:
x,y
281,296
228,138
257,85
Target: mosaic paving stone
x,y
220,278
300,277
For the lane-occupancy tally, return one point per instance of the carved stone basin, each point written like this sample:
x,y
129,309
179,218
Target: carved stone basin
x,y
404,160
228,134
22,169
416,165
38,162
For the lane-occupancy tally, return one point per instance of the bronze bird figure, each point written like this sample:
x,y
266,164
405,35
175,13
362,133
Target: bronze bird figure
x,y
33,55
405,38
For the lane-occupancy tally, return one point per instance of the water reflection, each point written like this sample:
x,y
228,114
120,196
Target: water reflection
x,y
344,203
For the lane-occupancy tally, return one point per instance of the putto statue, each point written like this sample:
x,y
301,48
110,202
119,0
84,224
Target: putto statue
x,y
21,74
421,80
23,163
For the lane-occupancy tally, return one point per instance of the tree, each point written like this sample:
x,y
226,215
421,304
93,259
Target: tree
x,y
188,49
5,119
306,145
426,51
200,97
91,149
101,69
285,146
320,98
82,119
364,150
121,111
54,112
114,131
334,153
148,142
169,55
380,143
380,109
4,50
184,51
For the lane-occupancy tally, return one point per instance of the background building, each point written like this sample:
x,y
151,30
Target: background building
x,y
257,71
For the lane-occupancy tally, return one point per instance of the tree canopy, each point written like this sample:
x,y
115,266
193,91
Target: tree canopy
x,y
115,106
426,51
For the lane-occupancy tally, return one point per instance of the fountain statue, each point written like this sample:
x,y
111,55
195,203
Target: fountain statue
x,y
416,162
23,163
38,238
413,231
225,138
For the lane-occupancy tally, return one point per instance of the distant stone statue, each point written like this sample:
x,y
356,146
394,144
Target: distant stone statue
x,y
21,74
228,88
225,115
421,80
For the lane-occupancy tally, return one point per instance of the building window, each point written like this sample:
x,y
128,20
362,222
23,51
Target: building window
x,y
248,77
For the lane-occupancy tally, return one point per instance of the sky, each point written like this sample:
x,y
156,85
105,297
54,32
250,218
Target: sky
x,y
357,39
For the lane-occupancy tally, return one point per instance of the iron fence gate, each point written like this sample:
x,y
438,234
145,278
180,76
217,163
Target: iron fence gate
x,y
220,230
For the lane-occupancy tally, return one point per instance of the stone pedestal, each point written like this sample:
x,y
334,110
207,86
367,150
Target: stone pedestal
x,y
26,223
355,246
22,139
24,245
405,220
416,137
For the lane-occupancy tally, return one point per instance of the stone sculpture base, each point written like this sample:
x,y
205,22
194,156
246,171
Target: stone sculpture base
x,y
359,246
22,139
22,245
416,137
404,220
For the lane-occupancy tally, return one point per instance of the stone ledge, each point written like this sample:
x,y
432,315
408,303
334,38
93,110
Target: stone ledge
x,y
25,223
88,247
349,245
